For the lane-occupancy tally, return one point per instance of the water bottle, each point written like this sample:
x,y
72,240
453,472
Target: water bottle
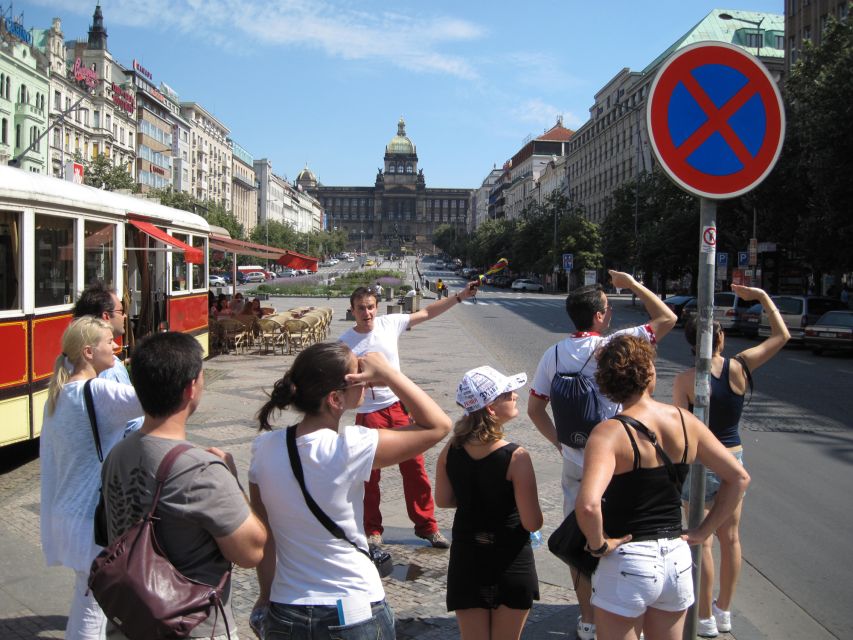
x,y
536,539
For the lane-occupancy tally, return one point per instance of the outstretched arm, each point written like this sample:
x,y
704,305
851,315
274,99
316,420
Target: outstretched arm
x,y
662,319
779,335
442,305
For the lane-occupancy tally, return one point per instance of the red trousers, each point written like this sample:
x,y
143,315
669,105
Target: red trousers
x,y
417,490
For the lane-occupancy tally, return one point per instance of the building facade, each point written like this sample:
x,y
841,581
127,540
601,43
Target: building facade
x,y
244,187
480,199
180,140
612,147
806,20
398,210
154,131
210,155
23,99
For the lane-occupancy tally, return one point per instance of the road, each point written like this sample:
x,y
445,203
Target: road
x,y
799,448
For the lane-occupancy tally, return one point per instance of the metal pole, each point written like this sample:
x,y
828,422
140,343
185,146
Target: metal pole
x,y
702,388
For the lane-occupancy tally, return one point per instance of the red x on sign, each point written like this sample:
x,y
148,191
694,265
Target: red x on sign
x,y
715,120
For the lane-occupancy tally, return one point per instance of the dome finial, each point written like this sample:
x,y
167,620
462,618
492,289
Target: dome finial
x,y
401,127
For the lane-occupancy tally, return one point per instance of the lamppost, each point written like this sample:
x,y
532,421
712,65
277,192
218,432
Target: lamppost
x,y
728,16
362,242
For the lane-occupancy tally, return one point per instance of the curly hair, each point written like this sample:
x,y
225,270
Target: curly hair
x,y
480,426
626,366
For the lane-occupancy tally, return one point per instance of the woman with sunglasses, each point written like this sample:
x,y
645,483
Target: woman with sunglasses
x,y
491,579
309,578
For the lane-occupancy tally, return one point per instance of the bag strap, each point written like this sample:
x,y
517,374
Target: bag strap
x,y
653,438
164,469
557,363
742,361
93,420
325,520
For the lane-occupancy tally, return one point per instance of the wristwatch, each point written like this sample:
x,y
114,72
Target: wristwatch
x,y
597,552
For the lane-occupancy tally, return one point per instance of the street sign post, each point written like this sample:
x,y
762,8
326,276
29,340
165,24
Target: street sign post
x,y
716,124
568,261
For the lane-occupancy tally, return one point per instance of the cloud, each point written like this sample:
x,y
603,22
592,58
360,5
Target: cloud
x,y
539,112
411,41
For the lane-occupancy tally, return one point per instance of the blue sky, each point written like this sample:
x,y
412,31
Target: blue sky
x,y
325,81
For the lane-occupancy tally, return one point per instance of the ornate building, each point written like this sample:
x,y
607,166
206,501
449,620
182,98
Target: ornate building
x,y
398,210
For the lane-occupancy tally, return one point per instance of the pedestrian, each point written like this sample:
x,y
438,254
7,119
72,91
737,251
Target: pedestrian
x,y
316,584
591,313
629,499
378,288
103,302
844,296
382,408
439,288
491,577
203,518
729,380
70,467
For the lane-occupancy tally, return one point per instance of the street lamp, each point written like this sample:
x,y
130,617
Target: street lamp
x,y
362,242
728,16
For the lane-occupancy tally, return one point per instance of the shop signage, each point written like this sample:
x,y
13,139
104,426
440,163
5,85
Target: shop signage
x,y
124,99
15,28
85,75
145,72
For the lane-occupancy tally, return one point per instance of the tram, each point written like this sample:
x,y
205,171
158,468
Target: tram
x,y
55,238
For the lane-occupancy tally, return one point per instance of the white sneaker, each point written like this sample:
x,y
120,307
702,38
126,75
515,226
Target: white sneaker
x,y
707,628
723,618
586,630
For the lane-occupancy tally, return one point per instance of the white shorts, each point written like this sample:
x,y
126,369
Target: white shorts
x,y
639,575
571,478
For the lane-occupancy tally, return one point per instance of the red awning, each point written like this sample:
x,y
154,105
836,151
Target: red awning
x,y
191,254
244,248
298,261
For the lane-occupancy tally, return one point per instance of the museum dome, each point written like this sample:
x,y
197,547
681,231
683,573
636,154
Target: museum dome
x,y
306,177
400,144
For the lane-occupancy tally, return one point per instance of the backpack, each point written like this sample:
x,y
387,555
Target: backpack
x,y
577,405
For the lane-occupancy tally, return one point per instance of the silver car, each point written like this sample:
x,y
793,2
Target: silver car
x,y
798,312
527,284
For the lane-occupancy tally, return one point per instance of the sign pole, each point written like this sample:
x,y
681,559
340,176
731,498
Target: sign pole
x,y
702,388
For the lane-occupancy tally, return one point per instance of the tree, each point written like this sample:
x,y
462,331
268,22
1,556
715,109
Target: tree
x,y
100,172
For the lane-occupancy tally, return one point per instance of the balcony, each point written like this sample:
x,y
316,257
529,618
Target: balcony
x,y
29,111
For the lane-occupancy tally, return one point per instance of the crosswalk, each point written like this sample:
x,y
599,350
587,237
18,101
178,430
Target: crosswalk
x,y
516,300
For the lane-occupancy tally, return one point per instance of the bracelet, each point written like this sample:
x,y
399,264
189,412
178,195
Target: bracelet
x,y
597,552
458,299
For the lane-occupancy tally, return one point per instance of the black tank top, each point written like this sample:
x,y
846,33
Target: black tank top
x,y
645,502
485,500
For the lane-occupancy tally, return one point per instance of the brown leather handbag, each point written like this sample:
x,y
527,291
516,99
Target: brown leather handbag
x,y
141,592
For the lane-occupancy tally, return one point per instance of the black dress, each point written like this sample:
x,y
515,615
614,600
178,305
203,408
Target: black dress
x,y
491,561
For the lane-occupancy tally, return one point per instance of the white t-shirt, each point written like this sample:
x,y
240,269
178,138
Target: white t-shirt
x,y
70,470
314,567
383,338
573,352
117,372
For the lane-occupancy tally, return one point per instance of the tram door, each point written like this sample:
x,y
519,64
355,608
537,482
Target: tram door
x,y
145,286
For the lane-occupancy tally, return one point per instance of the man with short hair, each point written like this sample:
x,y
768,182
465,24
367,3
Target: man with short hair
x,y
204,521
103,302
590,311
382,409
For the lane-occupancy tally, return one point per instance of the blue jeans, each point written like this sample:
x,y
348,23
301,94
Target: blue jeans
x,y
712,482
318,622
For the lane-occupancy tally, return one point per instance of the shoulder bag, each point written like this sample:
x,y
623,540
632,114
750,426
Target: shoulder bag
x,y
380,559
140,590
100,519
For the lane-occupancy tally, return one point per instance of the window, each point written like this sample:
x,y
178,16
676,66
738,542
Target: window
x,y
197,271
98,251
10,266
753,40
57,100
54,260
807,32
23,95
3,86
179,266
4,131
17,136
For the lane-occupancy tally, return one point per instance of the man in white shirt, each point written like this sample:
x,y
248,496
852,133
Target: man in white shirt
x,y
591,314
102,302
382,409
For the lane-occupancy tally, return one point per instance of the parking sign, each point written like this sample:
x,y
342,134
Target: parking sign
x,y
568,261
722,259
742,259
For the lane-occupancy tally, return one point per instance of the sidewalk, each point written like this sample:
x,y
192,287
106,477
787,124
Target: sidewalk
x,y
34,599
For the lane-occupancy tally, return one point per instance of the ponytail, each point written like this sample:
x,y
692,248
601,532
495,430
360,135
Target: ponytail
x,y
282,396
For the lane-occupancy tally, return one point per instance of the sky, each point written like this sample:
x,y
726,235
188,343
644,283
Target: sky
x,y
324,82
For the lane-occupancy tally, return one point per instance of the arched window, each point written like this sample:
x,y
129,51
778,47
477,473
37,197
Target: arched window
x,y
399,168
22,94
8,87
4,133
2,85
408,168
391,168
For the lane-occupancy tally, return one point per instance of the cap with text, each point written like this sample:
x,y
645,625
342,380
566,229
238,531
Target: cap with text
x,y
480,387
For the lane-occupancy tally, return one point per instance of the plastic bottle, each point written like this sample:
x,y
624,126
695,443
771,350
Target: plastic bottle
x,y
536,539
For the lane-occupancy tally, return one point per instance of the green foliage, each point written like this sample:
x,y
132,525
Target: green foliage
x,y
100,172
450,239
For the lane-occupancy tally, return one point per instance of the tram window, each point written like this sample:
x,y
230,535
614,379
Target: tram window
x,y
197,270
10,265
99,243
54,260
180,281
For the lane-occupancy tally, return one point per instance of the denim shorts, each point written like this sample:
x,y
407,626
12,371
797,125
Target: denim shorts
x,y
712,481
313,622
638,575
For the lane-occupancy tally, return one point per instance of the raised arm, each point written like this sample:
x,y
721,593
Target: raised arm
x,y
779,335
430,423
443,304
662,319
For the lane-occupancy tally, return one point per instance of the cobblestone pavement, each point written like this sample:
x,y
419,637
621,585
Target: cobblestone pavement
x,y
34,599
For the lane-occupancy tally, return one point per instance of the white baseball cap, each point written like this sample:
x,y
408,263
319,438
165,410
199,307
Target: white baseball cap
x,y
481,386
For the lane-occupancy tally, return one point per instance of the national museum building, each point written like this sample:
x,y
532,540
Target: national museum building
x,y
398,210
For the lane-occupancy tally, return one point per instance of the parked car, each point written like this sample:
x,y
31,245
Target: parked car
x,y
270,275
216,280
728,308
676,305
834,330
749,319
798,312
350,259
369,263
504,282
256,276
241,278
527,284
